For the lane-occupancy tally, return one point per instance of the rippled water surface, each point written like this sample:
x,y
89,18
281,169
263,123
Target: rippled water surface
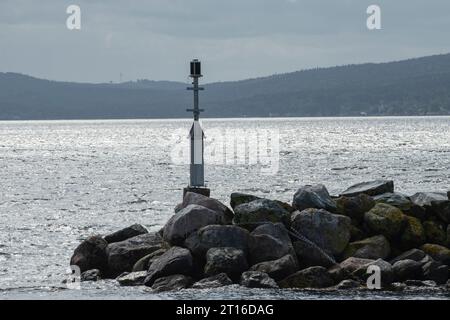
x,y
61,181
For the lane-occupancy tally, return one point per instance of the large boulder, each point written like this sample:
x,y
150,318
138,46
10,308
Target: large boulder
x,y
385,219
413,254
395,199
437,252
217,236
260,210
413,235
313,196
216,281
132,278
312,277
435,232
310,255
329,231
225,260
269,242
126,233
238,198
176,260
435,203
174,282
386,272
210,203
90,254
124,254
407,270
278,269
188,220
371,188
376,247
257,279
354,207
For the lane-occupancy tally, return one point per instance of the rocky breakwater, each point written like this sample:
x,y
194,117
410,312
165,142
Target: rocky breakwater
x,y
318,241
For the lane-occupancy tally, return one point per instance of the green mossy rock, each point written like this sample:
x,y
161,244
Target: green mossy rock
x,y
385,219
435,232
354,207
437,252
377,247
414,234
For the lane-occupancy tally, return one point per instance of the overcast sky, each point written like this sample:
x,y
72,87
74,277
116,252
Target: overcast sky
x,y
235,39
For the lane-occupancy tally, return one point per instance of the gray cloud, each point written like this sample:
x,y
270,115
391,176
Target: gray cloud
x,y
236,39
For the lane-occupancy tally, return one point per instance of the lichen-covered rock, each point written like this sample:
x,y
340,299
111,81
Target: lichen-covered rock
x,y
329,231
413,235
260,210
90,254
376,247
371,188
278,269
312,277
143,263
176,260
413,254
257,279
238,198
395,199
310,256
124,254
210,203
354,207
437,252
385,219
188,220
435,232
126,233
313,196
217,236
132,278
231,261
172,283
91,275
407,270
216,281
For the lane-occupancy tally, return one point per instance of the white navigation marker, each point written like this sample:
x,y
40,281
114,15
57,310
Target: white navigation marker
x,y
197,168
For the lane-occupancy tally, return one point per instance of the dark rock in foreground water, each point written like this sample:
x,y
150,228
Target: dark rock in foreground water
x,y
216,281
172,283
91,275
407,269
90,254
312,277
257,279
126,233
132,278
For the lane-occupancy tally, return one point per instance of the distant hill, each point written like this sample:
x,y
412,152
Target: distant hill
x,y
411,87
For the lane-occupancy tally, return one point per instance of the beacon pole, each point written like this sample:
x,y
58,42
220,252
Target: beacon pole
x,y
196,135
